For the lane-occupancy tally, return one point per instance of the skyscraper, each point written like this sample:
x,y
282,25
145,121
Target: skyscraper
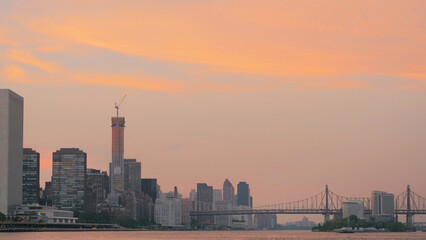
x,y
243,196
97,182
205,193
11,138
30,176
205,201
149,186
117,164
69,178
132,175
228,191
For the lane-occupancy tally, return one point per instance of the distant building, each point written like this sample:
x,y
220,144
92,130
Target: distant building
x,y
44,214
30,177
130,205
167,209
145,206
228,192
265,221
149,186
304,223
383,206
185,209
97,187
205,201
46,200
243,195
245,221
205,194
11,138
217,195
353,207
132,175
193,195
116,168
68,178
223,220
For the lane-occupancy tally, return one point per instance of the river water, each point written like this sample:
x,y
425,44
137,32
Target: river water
x,y
208,235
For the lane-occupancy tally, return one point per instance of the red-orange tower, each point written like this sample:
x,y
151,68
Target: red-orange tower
x,y
117,164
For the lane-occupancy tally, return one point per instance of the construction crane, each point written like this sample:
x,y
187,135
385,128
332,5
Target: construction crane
x,y
118,106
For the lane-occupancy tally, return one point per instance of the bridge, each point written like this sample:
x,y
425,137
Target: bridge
x,y
326,203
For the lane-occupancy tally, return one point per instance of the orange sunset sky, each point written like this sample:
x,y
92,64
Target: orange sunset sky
x,y
286,95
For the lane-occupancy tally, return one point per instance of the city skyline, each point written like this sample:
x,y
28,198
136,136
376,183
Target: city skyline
x,y
72,191
287,103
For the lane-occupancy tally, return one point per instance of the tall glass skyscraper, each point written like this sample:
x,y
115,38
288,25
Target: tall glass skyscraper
x,y
69,178
228,191
243,195
30,177
117,165
11,138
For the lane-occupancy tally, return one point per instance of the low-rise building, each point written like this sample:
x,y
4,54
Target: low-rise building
x,y
45,214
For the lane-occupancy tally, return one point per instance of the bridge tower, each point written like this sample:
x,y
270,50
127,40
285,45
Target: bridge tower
x,y
327,213
409,215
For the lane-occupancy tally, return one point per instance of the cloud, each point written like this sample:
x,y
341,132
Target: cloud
x,y
283,44
14,73
26,57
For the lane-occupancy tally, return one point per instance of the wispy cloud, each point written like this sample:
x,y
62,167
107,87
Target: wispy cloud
x,y
14,73
281,43
26,57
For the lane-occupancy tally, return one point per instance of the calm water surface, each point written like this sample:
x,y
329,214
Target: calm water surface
x,y
273,235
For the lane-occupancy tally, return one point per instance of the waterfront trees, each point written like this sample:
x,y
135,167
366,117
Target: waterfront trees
x,y
355,222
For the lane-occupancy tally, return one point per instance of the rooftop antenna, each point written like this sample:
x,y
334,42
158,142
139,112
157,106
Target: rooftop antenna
x,y
118,106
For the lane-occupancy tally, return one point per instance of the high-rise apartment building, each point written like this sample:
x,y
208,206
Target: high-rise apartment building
x,y
117,165
30,176
68,178
168,209
11,142
132,175
205,201
205,194
383,205
149,186
97,182
243,195
228,191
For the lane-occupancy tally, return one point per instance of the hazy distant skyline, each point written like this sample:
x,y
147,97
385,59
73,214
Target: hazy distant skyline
x,y
287,96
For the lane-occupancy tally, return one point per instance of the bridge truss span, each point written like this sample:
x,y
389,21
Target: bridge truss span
x,y
326,203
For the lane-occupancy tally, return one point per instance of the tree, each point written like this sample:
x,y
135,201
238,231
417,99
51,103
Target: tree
x,y
2,217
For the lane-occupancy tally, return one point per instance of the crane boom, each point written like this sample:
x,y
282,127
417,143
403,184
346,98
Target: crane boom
x,y
118,106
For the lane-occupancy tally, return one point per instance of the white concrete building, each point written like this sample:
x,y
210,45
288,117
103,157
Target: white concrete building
x,y
167,209
11,150
353,207
45,214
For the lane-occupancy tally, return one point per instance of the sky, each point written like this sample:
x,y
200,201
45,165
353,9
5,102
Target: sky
x,y
286,95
